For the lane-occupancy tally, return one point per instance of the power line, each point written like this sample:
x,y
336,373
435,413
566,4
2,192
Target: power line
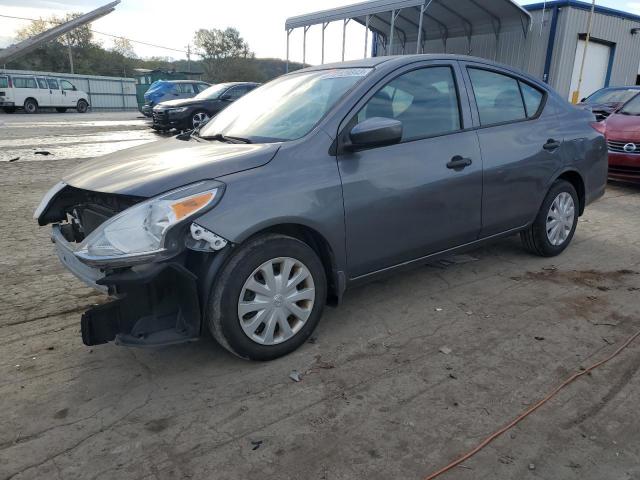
x,y
101,33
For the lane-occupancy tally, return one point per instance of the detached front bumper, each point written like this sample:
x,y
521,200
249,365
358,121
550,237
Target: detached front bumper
x,y
154,304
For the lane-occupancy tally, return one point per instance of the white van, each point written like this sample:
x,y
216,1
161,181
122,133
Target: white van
x,y
31,92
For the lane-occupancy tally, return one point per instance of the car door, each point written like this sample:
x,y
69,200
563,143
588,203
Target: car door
x,y
521,142
405,201
57,99
44,92
69,95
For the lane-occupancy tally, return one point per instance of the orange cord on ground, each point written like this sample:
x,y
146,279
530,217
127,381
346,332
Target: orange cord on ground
x,y
530,410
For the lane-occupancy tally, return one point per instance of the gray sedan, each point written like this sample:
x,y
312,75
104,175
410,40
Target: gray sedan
x,y
317,181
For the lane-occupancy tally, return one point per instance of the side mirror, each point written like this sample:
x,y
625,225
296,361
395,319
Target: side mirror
x,y
375,132
582,101
74,88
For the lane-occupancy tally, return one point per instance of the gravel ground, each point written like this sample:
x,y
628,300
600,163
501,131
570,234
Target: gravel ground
x,y
378,398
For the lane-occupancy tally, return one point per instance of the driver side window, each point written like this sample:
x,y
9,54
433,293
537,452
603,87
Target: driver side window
x,y
424,100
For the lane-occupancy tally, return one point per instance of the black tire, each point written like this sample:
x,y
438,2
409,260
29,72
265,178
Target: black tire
x,y
193,116
535,237
30,106
9,109
61,109
222,311
82,106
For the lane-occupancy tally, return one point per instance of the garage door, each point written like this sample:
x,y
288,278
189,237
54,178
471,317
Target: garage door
x,y
595,68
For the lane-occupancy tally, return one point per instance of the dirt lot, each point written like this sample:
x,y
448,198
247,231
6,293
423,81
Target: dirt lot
x,y
378,398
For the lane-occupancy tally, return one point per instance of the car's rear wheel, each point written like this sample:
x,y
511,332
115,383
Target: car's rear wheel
x,y
555,224
30,105
61,109
268,298
82,106
198,119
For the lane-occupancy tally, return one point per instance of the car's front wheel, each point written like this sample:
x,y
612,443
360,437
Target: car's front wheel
x,y
555,224
198,119
268,298
82,106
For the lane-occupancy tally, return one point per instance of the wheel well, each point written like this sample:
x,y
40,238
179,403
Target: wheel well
x,y
322,248
31,98
575,179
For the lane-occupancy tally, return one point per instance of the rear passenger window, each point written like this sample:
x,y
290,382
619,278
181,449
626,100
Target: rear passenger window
x,y
4,82
532,98
42,83
185,88
497,97
424,100
24,82
53,84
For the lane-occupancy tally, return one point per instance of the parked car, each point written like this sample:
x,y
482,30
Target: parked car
x,y
315,182
607,100
622,131
190,113
30,92
163,90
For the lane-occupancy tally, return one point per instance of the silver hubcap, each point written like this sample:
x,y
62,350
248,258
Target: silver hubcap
x,y
276,301
200,119
560,219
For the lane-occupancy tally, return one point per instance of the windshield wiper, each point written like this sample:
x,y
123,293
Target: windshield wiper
x,y
226,138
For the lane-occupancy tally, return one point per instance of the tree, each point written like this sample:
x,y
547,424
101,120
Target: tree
x,y
222,52
79,37
122,46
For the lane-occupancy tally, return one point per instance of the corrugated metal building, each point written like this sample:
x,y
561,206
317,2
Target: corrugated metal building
x,y
550,47
105,93
553,47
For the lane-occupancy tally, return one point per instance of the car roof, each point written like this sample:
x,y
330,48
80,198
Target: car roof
x,y
183,81
403,59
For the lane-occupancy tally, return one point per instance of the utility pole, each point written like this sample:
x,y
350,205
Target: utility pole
x,y
189,58
70,57
576,94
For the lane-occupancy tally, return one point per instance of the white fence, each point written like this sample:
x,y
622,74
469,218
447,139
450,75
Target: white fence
x,y
105,93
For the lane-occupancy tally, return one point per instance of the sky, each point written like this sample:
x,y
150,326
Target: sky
x,y
172,23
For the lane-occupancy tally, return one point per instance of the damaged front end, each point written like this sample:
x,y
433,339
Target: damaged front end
x,y
149,254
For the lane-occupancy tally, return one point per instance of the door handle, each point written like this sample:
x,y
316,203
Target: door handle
x,y
551,145
458,163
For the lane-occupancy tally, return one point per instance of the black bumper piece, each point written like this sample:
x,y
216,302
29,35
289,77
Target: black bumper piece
x,y
156,306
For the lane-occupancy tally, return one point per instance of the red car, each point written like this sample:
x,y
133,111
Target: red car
x,y
622,130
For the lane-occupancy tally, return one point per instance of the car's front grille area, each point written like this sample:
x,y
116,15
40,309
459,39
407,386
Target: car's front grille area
x,y
619,147
159,117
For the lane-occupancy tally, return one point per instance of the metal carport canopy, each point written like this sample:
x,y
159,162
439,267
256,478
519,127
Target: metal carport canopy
x,y
419,20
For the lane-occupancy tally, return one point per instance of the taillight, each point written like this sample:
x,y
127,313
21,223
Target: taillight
x,y
600,127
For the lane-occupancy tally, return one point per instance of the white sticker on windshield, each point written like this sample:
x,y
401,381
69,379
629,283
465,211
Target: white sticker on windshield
x,y
346,72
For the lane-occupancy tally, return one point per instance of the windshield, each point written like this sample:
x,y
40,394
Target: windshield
x,y
632,107
612,96
212,92
286,108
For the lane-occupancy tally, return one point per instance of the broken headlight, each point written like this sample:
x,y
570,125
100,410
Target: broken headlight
x,y
142,233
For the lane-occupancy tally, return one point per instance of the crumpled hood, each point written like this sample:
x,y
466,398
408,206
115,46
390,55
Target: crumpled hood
x,y
154,168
